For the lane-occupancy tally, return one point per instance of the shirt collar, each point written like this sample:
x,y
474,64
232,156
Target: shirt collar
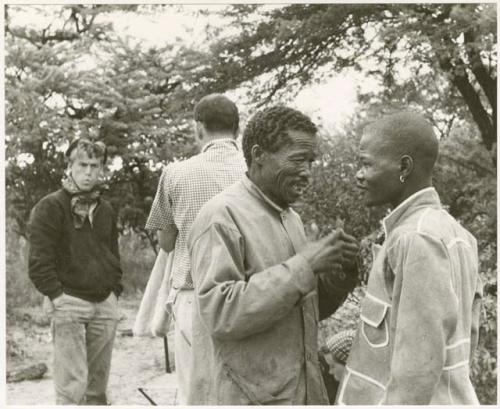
x,y
424,197
219,143
252,187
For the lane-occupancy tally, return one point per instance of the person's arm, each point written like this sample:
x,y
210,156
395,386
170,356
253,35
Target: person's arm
x,y
335,285
161,216
232,305
333,289
118,288
167,237
427,301
44,233
475,317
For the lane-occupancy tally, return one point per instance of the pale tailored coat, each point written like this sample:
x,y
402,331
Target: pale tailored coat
x,y
420,316
258,301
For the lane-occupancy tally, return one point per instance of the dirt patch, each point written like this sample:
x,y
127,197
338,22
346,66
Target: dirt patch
x,y
136,362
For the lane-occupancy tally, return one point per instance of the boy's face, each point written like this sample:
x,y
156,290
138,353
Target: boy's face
x,y
336,367
85,170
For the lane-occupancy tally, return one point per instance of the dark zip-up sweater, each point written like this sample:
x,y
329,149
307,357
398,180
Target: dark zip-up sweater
x,y
82,262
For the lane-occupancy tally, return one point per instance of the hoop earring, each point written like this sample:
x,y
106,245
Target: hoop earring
x,y
401,179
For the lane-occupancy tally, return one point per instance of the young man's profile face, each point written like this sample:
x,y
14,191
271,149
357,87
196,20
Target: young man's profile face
x,y
287,172
85,170
378,176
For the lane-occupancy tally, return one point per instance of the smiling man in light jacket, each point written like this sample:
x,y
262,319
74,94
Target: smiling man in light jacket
x,y
260,288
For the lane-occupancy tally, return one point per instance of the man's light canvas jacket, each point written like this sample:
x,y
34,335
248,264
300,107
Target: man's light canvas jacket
x,y
420,316
258,301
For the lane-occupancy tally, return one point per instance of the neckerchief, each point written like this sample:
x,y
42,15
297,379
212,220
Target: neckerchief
x,y
82,203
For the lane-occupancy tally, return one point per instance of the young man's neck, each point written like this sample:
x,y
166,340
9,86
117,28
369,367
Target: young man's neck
x,y
410,191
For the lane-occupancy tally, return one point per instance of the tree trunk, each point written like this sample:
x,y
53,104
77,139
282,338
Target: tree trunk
x,y
483,120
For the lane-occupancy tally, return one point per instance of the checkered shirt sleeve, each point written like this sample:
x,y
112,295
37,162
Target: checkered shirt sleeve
x,y
161,214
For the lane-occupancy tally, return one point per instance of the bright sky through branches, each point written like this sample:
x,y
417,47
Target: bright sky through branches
x,y
331,102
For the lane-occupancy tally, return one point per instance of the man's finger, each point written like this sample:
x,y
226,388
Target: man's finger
x,y
349,254
333,236
348,237
350,247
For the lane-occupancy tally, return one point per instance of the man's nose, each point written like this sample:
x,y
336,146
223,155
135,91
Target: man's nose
x,y
305,170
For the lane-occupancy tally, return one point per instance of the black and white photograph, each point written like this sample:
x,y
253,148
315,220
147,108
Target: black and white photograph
x,y
261,203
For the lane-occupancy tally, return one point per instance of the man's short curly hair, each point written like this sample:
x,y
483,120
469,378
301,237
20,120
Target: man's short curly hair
x,y
269,129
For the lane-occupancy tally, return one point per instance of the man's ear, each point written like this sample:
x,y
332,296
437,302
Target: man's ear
x,y
406,166
200,130
258,154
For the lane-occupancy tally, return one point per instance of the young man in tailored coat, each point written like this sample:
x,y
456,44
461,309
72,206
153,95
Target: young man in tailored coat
x,y
420,316
74,261
183,188
260,289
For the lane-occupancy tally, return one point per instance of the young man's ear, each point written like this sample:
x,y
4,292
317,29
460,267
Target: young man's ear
x,y
406,166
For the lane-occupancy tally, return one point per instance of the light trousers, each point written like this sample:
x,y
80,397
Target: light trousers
x,y
182,314
83,333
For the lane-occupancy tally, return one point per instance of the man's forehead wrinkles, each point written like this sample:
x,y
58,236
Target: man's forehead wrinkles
x,y
305,143
303,148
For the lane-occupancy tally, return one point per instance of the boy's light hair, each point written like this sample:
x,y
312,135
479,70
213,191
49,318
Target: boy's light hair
x,y
93,149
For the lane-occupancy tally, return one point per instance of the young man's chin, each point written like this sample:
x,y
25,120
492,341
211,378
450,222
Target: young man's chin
x,y
369,202
87,188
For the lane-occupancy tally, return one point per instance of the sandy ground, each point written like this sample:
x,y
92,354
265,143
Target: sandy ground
x,y
136,363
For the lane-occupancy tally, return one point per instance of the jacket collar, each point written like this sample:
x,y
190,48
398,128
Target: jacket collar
x,y
220,142
427,197
255,191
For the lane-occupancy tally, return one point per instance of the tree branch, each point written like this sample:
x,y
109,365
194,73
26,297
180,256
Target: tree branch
x,y
484,122
474,166
488,84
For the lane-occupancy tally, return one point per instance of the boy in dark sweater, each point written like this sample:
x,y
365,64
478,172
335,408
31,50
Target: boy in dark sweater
x,y
74,261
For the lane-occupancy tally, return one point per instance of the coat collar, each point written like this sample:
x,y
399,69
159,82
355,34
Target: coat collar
x,y
219,143
427,197
255,191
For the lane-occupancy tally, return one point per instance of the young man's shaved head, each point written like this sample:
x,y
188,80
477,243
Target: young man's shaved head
x,y
407,133
397,157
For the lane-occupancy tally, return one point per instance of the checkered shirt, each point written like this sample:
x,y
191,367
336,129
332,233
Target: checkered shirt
x,y
184,187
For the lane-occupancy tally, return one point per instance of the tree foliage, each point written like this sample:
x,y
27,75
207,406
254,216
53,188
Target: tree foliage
x,y
74,76
82,80
441,57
